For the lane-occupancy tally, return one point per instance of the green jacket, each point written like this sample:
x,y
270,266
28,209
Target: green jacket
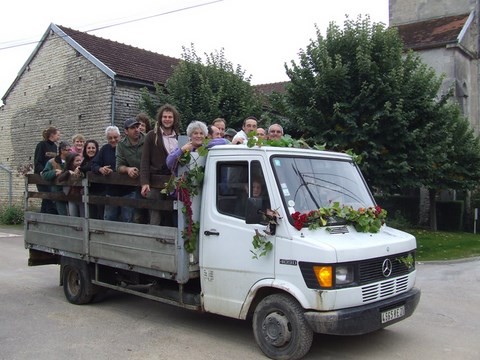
x,y
129,155
48,172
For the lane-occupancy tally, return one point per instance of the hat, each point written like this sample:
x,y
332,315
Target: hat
x,y
230,132
130,122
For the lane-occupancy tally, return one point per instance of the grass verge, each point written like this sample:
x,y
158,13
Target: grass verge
x,y
445,245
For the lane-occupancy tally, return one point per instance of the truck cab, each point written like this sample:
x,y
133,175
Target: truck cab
x,y
369,283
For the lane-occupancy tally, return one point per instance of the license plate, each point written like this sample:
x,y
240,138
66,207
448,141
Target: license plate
x,y
393,314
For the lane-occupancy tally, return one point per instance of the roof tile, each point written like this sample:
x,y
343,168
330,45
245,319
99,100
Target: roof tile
x,y
432,33
125,60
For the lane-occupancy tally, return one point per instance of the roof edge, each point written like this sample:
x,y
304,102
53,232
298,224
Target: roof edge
x,y
105,69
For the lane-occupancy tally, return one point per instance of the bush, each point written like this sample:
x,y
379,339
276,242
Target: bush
x,y
11,215
398,221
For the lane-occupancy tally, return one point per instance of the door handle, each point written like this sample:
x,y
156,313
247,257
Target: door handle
x,y
208,233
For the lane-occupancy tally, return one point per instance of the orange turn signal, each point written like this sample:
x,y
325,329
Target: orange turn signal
x,y
324,275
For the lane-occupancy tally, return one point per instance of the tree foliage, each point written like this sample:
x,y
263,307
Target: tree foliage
x,y
207,90
356,89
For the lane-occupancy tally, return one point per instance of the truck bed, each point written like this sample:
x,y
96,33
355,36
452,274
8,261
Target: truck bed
x,y
148,249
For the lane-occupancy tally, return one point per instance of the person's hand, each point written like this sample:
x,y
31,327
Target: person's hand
x,y
145,190
188,147
76,172
132,172
105,170
58,172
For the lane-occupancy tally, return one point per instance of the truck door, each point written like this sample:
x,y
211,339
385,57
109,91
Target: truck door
x,y
227,268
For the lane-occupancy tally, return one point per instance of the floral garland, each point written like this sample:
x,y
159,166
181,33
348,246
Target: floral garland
x,y
187,186
368,219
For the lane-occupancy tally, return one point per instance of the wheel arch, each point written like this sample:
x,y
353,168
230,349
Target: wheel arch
x,y
266,287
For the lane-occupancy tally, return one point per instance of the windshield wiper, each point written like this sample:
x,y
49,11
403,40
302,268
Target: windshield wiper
x,y
304,183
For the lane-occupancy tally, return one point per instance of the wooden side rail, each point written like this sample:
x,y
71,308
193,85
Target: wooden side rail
x,y
156,182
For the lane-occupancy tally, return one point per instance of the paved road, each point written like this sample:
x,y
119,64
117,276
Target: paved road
x,y
36,322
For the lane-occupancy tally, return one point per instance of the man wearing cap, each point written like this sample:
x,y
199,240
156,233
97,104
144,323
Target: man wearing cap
x,y
230,134
127,159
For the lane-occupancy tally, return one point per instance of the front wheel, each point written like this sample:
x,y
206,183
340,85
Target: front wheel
x,y
77,284
280,328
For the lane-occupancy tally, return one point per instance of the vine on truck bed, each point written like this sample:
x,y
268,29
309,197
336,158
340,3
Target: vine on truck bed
x,y
187,186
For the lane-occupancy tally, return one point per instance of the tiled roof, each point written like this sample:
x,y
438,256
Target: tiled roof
x,y
267,89
125,60
432,33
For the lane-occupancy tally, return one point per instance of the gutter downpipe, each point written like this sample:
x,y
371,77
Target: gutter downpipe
x,y
114,90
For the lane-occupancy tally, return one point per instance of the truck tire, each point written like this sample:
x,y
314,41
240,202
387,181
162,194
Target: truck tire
x,y
77,284
280,328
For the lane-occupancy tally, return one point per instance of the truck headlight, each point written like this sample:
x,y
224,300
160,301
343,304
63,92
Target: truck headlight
x,y
343,274
332,276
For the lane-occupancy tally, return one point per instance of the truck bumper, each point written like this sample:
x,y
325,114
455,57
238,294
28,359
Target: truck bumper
x,y
362,319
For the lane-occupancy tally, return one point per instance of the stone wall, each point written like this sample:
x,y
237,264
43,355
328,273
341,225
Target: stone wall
x,y
60,88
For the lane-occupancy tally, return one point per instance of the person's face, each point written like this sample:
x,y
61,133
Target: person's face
x,y
77,161
167,119
113,138
228,137
275,133
197,137
91,150
250,125
79,144
133,132
216,133
142,127
64,152
256,189
261,133
221,127
55,137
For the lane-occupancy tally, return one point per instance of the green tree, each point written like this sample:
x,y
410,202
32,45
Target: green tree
x,y
207,90
357,89
454,156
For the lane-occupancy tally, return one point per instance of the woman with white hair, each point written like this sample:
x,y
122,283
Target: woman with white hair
x,y
197,131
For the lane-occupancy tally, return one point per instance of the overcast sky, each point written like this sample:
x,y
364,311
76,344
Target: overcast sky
x,y
258,35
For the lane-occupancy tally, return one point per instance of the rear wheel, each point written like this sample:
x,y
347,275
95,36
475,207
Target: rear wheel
x,y
77,284
280,328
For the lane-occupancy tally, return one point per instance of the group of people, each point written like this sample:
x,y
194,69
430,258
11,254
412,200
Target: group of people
x,y
141,152
218,130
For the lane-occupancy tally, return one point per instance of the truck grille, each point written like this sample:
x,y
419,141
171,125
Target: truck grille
x,y
384,289
370,271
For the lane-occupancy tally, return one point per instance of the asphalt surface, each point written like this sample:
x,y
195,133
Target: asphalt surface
x,y
36,321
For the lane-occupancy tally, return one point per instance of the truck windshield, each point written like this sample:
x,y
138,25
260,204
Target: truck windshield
x,y
307,183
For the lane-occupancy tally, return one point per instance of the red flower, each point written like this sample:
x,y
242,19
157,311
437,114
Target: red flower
x,y
298,225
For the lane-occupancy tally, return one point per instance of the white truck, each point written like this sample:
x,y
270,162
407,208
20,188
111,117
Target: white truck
x,y
329,280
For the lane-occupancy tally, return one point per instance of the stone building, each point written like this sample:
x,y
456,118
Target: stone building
x,y
78,83
445,34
